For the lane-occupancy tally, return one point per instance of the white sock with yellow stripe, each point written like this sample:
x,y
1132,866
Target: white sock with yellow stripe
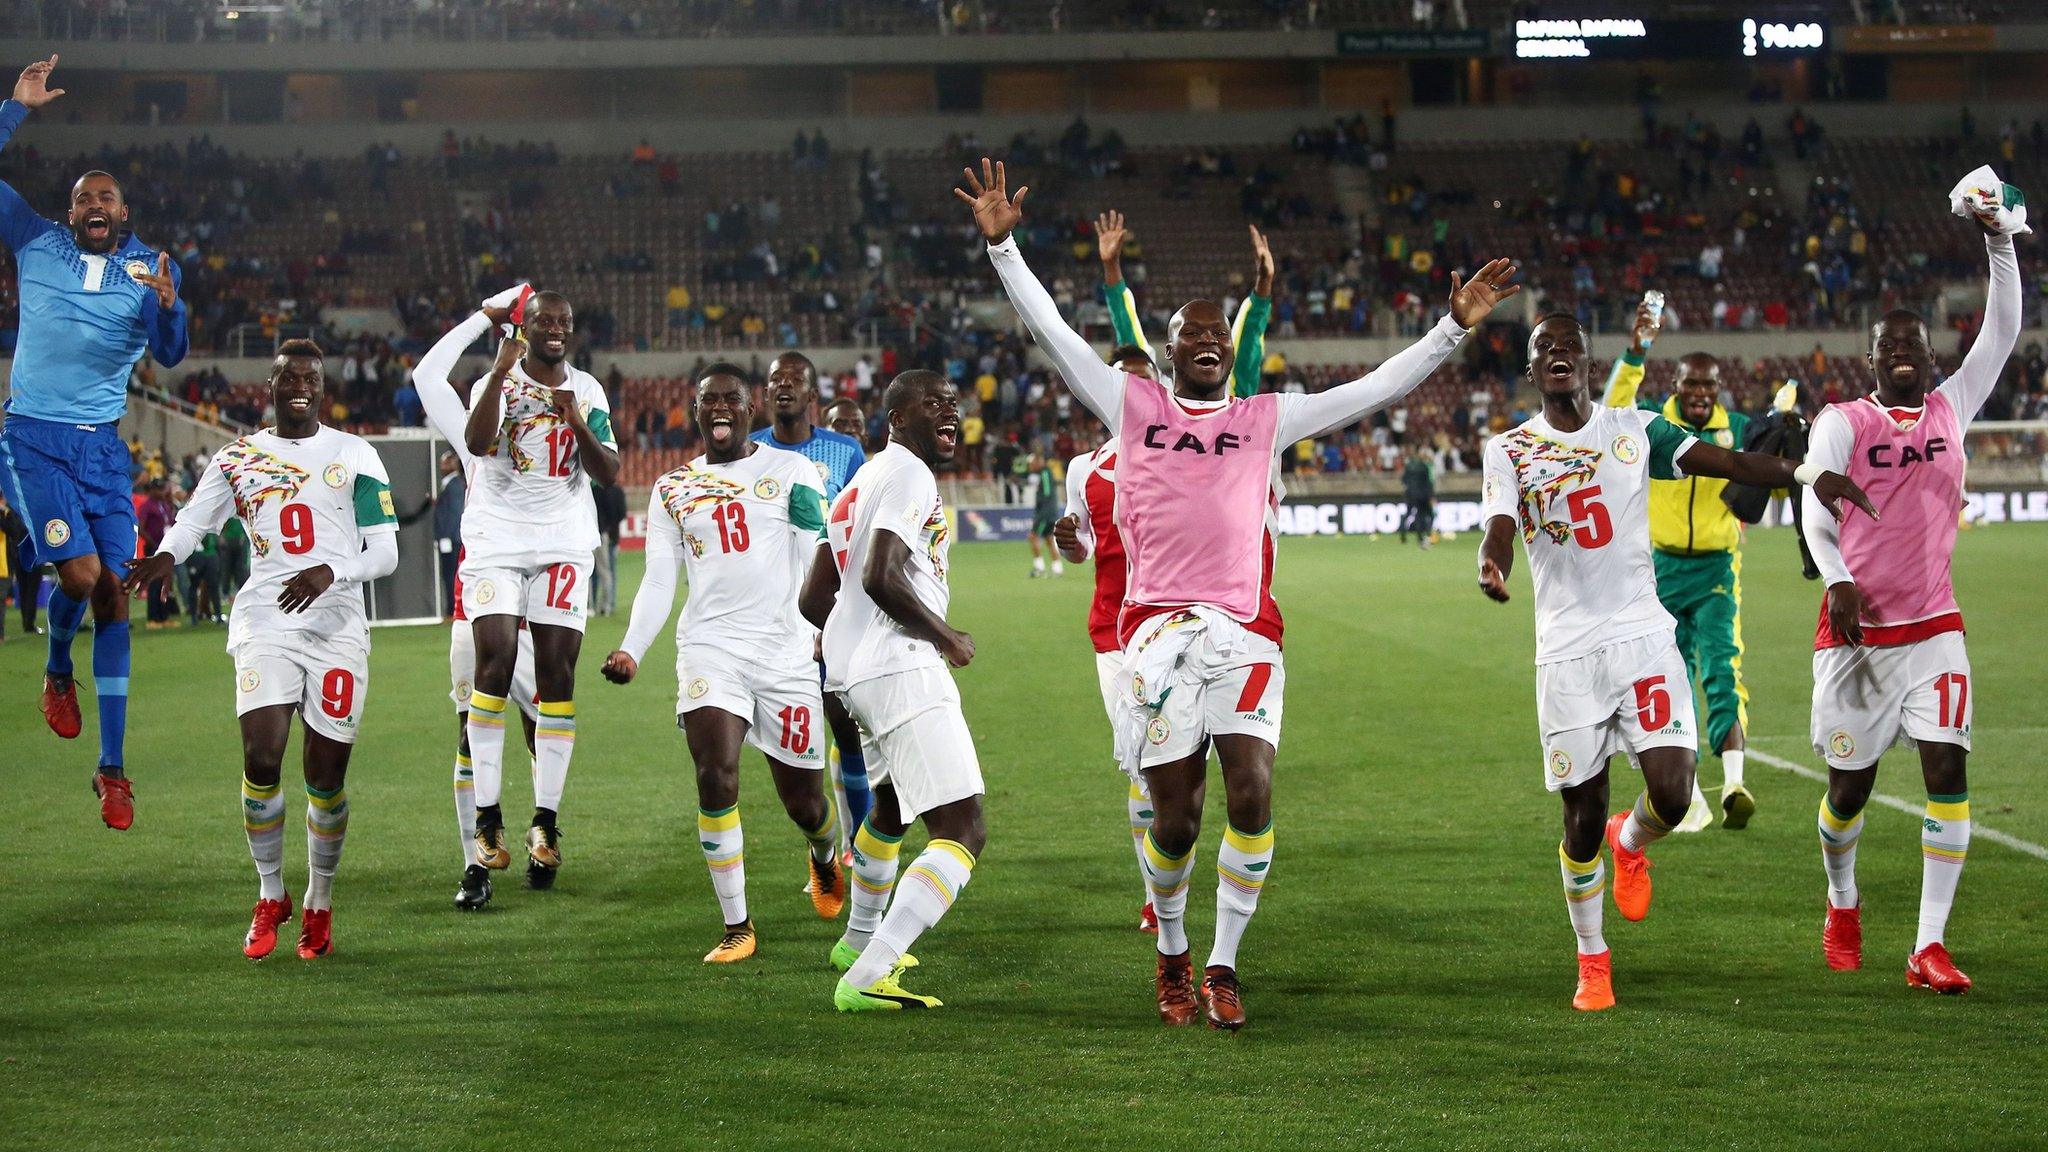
x,y
326,830
928,888
263,820
486,728
1944,842
1168,878
718,833
1838,836
874,877
554,742
1241,866
465,806
1139,805
1583,885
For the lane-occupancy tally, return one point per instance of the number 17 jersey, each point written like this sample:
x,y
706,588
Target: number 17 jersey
x,y
1581,502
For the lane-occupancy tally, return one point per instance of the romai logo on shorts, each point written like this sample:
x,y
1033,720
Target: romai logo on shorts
x,y
1625,449
486,591
697,688
251,680
1560,763
767,489
1841,744
335,475
1157,730
55,533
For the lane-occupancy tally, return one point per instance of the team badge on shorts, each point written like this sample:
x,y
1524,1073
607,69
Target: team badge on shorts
x,y
335,475
1138,685
1560,763
251,680
1625,449
766,488
486,591
55,533
697,688
462,691
136,269
1157,730
1841,745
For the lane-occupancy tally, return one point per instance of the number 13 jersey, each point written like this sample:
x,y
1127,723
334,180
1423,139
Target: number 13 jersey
x,y
1581,502
529,501
305,503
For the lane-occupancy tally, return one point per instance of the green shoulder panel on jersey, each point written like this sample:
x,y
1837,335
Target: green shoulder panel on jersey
x,y
807,509
1666,441
600,422
1249,335
373,502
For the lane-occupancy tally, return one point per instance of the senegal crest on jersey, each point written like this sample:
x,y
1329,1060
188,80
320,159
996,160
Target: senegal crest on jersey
x,y
1545,471
255,476
688,490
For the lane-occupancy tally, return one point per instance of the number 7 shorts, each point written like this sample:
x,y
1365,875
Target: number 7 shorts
x,y
325,680
781,703
544,594
1625,697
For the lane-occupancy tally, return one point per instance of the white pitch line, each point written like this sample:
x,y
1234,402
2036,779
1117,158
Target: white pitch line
x,y
1916,811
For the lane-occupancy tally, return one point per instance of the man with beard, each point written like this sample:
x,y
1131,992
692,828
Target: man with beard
x,y
93,300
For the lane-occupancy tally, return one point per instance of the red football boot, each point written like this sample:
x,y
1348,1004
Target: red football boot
x,y
1931,967
1178,1006
60,705
117,800
1841,938
1148,920
262,938
1226,1005
316,933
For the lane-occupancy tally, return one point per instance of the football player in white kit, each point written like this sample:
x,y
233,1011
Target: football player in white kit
x,y
447,411
317,505
745,519
541,431
1573,481
881,596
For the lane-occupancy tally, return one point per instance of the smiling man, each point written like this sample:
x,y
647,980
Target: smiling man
x,y
317,503
1197,482
94,299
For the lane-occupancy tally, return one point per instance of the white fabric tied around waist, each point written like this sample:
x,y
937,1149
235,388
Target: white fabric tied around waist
x,y
1153,668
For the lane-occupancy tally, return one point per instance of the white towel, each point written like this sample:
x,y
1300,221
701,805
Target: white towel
x,y
1999,205
1151,671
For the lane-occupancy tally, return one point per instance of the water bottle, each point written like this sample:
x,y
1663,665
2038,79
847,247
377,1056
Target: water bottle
x,y
1654,301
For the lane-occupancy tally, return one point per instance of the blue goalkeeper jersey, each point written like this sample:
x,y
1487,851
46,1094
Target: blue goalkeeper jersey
x,y
837,457
85,320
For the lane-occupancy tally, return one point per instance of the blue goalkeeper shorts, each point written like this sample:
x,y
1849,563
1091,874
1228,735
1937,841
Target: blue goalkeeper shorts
x,y
71,485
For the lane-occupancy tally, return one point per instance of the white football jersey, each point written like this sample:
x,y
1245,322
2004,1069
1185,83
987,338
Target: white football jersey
x,y
529,499
893,492
305,503
746,533
1582,503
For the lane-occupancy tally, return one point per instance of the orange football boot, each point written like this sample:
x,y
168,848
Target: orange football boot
x,y
827,888
1226,1007
1631,873
1596,982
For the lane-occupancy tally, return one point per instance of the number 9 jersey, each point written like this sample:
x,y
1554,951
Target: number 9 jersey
x,y
529,503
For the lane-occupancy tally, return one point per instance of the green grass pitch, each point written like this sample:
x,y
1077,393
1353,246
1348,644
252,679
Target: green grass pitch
x,y
1408,975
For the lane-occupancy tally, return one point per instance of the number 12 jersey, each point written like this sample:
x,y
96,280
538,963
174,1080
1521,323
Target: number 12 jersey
x,y
529,501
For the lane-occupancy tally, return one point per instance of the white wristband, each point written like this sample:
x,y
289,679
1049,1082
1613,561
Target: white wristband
x,y
1807,473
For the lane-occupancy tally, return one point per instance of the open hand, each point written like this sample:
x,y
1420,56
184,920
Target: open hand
x,y
1833,487
147,571
301,590
33,89
1845,611
1492,582
1472,299
166,289
620,668
996,212
1262,262
1110,235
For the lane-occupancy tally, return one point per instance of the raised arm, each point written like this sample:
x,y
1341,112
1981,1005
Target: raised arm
x,y
19,223
1972,384
1626,379
1097,385
1827,486
447,414
1302,417
1248,330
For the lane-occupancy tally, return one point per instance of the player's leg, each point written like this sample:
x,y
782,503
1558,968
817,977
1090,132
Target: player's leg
x,y
1719,623
1668,777
555,649
265,730
37,477
497,646
1858,704
928,890
715,736
1242,864
788,728
1938,717
1841,826
110,514
1037,550
850,765
475,890
326,770
1684,609
1178,788
1585,875
876,847
1655,721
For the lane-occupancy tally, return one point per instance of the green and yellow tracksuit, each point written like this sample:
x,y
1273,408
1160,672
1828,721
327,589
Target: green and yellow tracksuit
x,y
1696,547
1247,333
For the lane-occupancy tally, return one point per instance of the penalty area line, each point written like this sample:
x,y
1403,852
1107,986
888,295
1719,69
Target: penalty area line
x,y
2027,847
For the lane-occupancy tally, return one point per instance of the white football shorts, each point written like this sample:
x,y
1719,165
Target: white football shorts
x,y
1240,693
782,704
462,669
326,681
550,594
1867,699
916,738
1626,697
